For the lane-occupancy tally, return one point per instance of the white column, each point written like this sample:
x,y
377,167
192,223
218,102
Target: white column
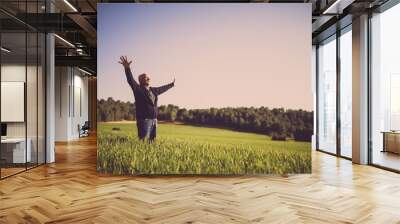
x,y
50,92
50,99
360,90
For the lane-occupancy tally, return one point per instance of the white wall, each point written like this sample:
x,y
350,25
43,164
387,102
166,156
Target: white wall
x,y
80,118
70,84
12,73
62,82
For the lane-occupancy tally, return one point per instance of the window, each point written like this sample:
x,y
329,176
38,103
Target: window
x,y
22,78
346,92
385,89
327,95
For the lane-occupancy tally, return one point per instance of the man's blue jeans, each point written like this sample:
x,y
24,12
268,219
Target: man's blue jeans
x,y
147,129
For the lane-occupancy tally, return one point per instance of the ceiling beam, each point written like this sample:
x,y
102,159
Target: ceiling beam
x,y
86,27
337,6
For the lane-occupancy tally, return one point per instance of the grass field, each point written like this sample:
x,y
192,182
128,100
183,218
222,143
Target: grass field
x,y
184,149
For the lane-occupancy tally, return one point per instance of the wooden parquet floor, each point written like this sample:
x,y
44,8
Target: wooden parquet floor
x,y
71,191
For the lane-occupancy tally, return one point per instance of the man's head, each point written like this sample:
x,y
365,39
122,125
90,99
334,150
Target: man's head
x,y
144,80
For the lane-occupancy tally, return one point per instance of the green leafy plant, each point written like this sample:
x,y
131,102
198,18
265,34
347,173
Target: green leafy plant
x,y
183,149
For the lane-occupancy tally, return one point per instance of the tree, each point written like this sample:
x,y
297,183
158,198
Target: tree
x,y
277,122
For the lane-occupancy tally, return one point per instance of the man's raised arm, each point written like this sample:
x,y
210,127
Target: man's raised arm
x,y
128,72
164,88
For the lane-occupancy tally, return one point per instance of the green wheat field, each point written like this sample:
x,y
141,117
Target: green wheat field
x,y
185,149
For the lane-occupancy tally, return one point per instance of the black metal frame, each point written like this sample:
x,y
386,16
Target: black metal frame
x,y
316,97
369,88
36,164
338,98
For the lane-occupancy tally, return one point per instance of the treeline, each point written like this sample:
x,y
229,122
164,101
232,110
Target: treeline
x,y
278,122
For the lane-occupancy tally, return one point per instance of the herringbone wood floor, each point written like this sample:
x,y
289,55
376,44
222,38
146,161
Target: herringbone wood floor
x,y
71,191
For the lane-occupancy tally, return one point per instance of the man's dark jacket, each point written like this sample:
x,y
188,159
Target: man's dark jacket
x,y
146,108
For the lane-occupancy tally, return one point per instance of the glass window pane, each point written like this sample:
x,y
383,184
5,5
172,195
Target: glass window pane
x,y
346,94
31,97
41,98
327,96
13,86
23,90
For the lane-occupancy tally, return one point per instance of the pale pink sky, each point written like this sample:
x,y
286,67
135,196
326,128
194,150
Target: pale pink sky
x,y
220,54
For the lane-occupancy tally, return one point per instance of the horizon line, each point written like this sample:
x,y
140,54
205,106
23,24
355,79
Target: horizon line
x,y
214,107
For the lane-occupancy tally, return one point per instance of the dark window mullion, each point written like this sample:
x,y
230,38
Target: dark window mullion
x,y
45,88
317,97
369,89
338,73
26,87
37,90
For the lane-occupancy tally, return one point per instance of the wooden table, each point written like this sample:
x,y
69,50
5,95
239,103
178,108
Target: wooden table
x,y
391,141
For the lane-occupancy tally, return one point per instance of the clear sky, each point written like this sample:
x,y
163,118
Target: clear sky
x,y
220,54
